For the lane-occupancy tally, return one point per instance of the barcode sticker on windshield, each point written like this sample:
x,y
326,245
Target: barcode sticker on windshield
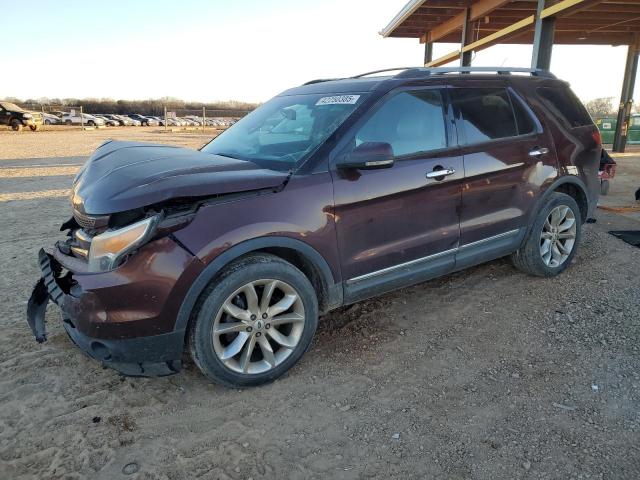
x,y
338,100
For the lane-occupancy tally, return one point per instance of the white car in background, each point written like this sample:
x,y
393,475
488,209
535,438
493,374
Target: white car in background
x,y
173,122
88,120
50,119
108,121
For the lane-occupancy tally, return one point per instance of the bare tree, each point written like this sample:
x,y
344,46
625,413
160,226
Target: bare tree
x,y
600,107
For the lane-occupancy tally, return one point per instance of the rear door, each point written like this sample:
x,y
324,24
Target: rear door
x,y
399,225
507,158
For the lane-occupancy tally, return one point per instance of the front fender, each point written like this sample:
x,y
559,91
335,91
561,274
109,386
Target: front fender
x,y
333,288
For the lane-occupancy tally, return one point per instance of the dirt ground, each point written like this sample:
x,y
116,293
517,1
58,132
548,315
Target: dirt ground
x,y
483,374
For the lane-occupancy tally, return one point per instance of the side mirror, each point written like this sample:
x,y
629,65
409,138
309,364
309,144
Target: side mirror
x,y
369,156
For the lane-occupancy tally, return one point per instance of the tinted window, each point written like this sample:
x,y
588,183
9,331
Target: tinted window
x,y
485,114
524,122
410,122
565,105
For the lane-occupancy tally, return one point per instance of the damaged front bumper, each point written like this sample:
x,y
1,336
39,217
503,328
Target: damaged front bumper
x,y
114,317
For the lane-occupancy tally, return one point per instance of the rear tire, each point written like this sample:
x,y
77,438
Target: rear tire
x,y
16,125
247,339
604,187
553,240
68,122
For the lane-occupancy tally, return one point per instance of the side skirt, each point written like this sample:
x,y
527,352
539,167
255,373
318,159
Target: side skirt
x,y
428,268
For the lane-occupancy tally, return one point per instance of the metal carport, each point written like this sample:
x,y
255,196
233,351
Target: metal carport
x,y
479,24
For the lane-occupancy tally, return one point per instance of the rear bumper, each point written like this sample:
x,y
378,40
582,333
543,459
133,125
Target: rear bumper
x,y
122,321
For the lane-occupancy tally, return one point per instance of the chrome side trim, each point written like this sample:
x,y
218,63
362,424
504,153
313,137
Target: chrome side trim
x,y
510,233
435,256
401,265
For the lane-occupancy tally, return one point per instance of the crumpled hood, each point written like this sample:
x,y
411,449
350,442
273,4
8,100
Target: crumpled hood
x,y
122,176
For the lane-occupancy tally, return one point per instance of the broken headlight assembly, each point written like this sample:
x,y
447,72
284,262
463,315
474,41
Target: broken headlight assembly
x,y
108,249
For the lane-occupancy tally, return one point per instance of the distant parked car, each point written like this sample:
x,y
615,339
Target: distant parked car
x,y
50,119
160,120
187,122
89,120
196,121
109,122
122,121
145,121
173,122
15,117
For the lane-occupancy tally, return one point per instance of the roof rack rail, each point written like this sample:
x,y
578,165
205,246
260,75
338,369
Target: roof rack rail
x,y
423,71
320,80
408,72
383,71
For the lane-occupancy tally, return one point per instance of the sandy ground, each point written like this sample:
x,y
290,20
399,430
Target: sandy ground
x,y
72,141
484,374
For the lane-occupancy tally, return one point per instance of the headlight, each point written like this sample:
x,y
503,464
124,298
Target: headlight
x,y
27,115
108,248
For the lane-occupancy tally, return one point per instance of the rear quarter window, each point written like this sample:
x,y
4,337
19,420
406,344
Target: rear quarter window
x,y
564,104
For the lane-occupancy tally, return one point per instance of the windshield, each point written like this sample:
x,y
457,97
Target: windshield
x,y
283,131
11,106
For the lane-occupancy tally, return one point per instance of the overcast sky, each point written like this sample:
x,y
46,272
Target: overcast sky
x,y
246,50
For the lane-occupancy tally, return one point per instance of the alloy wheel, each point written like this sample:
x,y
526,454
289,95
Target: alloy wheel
x,y
558,236
258,326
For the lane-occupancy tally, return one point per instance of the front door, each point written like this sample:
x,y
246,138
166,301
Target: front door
x,y
400,225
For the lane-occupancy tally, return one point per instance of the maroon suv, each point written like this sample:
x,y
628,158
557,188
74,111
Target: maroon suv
x,y
328,194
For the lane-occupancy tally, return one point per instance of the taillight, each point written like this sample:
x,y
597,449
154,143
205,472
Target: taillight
x,y
597,137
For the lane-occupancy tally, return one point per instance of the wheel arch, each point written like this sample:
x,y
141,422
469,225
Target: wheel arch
x,y
303,256
570,185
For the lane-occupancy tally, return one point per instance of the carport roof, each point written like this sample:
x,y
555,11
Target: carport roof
x,y
608,22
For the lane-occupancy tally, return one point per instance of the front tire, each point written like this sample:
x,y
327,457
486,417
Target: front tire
x,y
553,239
254,322
33,127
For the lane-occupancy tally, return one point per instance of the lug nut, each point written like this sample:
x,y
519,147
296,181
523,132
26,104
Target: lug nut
x,y
268,325
253,317
258,334
249,329
264,315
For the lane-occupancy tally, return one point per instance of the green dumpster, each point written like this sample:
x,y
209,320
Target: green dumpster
x,y
607,127
633,137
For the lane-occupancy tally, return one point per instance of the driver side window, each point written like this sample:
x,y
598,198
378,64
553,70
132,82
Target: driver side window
x,y
411,122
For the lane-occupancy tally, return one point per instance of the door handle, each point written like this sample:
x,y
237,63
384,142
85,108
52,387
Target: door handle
x,y
444,172
538,151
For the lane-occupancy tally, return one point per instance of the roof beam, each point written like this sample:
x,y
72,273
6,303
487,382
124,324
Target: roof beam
x,y
514,29
478,9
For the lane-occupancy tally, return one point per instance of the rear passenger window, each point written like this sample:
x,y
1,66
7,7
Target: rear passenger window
x,y
524,122
565,105
485,114
411,122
